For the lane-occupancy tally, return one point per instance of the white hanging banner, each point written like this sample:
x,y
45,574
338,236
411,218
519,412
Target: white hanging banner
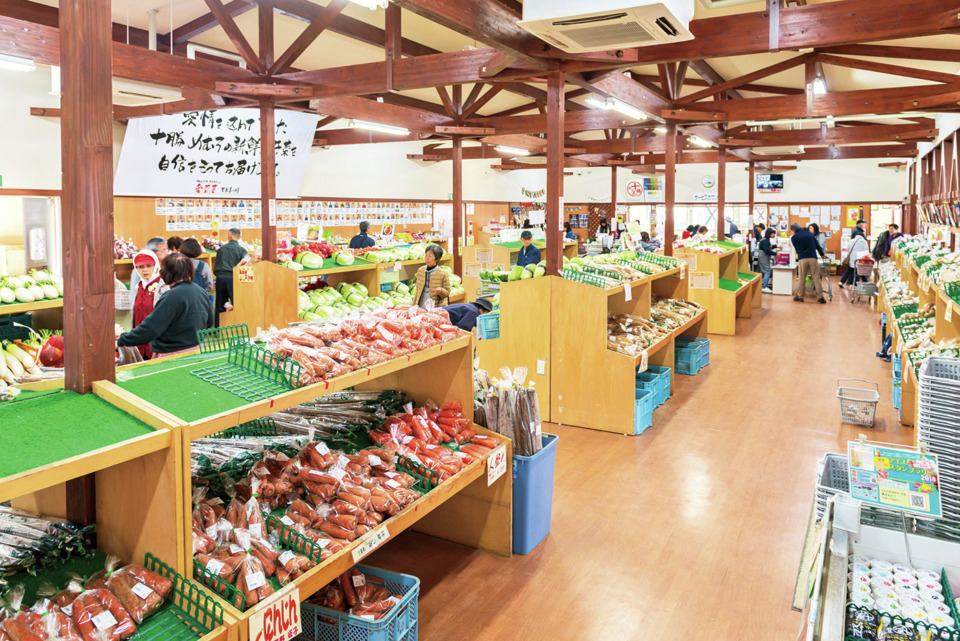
x,y
211,153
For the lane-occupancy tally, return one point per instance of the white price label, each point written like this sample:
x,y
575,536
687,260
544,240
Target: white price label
x,y
343,461
322,448
371,542
392,484
390,475
359,580
68,609
496,464
397,266
286,520
256,580
643,361
337,473
256,529
277,618
627,292
212,531
374,460
104,621
286,557
214,567
141,591
235,549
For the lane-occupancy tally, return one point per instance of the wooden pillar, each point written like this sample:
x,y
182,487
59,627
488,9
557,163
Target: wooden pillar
x,y
555,161
721,190
613,196
670,194
268,181
86,141
910,219
751,186
458,239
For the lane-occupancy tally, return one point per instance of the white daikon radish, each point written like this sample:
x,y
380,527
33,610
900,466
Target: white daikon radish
x,y
13,365
20,355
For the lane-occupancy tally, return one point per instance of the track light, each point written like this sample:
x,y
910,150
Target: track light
x,y
516,151
661,130
832,119
372,4
15,63
373,126
700,142
612,104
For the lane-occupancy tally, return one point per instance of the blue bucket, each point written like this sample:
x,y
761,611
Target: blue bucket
x,y
533,495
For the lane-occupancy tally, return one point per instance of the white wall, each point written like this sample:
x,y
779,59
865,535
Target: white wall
x,y
30,159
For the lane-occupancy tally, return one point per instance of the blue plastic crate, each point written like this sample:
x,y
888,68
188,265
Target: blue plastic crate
x,y
687,360
400,623
533,495
896,367
656,382
896,395
643,413
488,326
704,344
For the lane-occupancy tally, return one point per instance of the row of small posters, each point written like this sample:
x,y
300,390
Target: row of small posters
x,y
188,222
290,213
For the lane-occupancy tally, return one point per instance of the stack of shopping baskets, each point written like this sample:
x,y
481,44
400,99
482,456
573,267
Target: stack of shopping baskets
x,y
832,478
939,425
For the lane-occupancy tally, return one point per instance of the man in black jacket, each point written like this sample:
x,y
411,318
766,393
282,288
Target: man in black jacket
x,y
807,249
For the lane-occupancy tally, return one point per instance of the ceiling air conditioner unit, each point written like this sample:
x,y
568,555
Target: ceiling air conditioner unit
x,y
610,24
722,4
131,93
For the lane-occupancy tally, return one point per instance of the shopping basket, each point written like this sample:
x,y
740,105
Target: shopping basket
x,y
865,269
858,405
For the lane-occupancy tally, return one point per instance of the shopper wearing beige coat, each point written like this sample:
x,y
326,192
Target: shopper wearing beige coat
x,y
433,283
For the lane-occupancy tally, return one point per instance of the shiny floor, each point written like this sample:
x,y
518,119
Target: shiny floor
x,y
691,531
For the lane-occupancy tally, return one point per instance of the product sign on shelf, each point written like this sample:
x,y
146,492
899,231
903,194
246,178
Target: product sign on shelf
x,y
701,280
277,618
211,153
245,274
892,477
496,464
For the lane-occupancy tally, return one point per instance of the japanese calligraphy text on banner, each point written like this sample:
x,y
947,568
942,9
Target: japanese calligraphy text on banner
x,y
891,477
211,153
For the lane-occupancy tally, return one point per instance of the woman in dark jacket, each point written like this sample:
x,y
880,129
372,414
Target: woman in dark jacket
x,y
765,257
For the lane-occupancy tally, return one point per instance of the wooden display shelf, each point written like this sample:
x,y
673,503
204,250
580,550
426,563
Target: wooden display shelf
x,y
705,272
458,298
462,509
493,256
23,308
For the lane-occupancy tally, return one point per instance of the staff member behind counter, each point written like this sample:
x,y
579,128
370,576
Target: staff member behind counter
x,y
464,315
361,240
529,255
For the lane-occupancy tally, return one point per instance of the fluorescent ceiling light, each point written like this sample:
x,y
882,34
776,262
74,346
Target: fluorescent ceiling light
x,y
819,86
661,130
513,150
832,119
373,126
700,142
16,64
612,104
54,81
372,4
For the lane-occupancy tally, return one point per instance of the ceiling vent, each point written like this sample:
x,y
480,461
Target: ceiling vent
x,y
723,4
610,24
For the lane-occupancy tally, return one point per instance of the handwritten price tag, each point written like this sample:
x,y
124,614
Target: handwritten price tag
x,y
374,540
245,274
627,292
496,464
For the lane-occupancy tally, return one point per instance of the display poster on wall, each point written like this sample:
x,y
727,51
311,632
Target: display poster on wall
x,y
701,280
690,260
900,478
211,153
854,213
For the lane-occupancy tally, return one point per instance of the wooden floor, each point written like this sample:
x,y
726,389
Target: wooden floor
x,y
692,530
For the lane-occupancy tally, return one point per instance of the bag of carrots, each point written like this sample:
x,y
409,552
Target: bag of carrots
x,y
99,616
57,625
16,625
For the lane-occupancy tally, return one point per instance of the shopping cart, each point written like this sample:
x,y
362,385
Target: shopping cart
x,y
864,287
825,266
858,405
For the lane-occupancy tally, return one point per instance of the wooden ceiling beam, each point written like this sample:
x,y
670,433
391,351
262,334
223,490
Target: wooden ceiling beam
x,y
307,36
479,103
487,21
710,77
363,109
47,16
832,136
412,103
845,103
236,36
351,136
42,43
818,25
845,153
700,82
446,102
208,21
902,53
457,68
748,78
586,120
879,67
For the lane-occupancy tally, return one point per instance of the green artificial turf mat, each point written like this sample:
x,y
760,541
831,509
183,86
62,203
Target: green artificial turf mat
x,y
729,285
727,243
59,576
48,428
518,244
195,361
182,394
746,276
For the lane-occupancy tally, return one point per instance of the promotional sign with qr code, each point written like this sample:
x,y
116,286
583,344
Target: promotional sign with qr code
x,y
900,478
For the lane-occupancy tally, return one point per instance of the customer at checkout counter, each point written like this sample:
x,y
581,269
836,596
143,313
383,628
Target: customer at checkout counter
x,y
529,255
